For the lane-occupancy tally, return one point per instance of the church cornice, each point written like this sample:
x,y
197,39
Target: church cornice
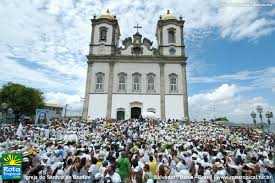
x,y
104,20
169,22
136,59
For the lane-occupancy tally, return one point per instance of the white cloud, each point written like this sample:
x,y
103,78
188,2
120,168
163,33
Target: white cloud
x,y
227,102
74,101
258,79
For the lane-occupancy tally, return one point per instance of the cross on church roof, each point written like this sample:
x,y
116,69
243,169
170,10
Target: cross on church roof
x,y
137,27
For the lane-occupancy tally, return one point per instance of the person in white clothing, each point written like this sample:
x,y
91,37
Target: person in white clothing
x,y
110,173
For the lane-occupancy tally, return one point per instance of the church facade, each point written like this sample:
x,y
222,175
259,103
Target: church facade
x,y
123,82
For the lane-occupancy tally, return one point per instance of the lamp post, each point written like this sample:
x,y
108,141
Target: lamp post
x,y
253,115
4,106
10,115
260,110
268,116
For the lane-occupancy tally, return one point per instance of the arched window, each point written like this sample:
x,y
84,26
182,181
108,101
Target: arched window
x,y
171,35
150,82
173,83
103,33
136,82
99,82
122,82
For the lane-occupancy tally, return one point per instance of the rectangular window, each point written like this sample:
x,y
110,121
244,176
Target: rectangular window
x,y
136,83
136,87
58,111
122,82
173,83
121,87
171,36
173,88
151,83
151,87
99,86
103,34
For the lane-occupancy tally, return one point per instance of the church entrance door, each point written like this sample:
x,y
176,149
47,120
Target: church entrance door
x,y
120,115
135,112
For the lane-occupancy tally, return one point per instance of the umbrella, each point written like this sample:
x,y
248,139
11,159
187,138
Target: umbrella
x,y
149,115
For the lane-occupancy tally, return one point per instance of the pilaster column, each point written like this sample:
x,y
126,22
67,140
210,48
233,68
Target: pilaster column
x,y
110,90
87,92
162,91
184,91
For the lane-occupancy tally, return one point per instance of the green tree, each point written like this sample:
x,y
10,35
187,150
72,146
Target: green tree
x,y
23,100
221,119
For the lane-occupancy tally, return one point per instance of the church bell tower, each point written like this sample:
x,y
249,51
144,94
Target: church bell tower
x,y
105,34
169,35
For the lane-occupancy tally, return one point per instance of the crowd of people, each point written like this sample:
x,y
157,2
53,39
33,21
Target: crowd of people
x,y
140,151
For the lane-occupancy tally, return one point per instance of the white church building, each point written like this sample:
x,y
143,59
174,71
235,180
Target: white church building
x,y
123,82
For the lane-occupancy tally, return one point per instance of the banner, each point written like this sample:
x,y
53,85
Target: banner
x,y
42,116
20,131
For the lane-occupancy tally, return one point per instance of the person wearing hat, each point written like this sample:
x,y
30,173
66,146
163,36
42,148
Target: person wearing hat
x,y
182,171
194,166
218,171
137,173
249,170
25,170
104,167
263,167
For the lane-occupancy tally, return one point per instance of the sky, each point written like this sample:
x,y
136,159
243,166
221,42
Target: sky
x,y
230,47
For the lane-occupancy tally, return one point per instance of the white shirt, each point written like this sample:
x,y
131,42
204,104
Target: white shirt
x,y
60,174
115,177
262,166
184,173
219,174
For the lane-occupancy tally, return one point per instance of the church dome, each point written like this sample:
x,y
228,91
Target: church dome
x,y
107,15
169,16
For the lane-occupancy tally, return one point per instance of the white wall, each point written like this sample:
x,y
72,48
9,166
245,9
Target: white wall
x,y
123,101
102,50
100,67
143,69
173,68
174,106
97,106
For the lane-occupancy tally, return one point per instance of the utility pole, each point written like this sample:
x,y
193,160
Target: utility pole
x,y
214,113
66,106
82,100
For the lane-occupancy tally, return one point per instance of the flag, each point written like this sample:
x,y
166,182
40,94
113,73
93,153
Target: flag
x,y
20,131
